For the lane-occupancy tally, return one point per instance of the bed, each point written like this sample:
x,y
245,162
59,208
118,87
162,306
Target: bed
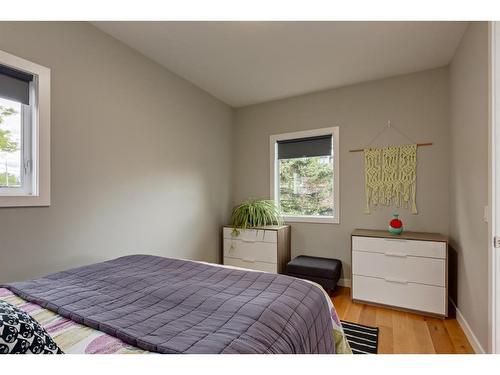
x,y
149,304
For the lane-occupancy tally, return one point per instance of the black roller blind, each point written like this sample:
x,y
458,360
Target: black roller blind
x,y
15,85
305,147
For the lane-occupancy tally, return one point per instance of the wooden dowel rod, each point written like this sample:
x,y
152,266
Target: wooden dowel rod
x,y
418,145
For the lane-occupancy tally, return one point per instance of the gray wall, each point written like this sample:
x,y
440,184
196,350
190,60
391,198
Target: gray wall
x,y
415,103
141,158
469,175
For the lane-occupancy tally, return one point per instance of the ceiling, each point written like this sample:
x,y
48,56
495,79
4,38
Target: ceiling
x,y
244,63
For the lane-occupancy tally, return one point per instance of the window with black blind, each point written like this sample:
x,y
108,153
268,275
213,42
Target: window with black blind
x,y
15,130
24,132
304,175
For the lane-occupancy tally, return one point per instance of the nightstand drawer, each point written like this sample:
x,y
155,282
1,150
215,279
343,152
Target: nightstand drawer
x,y
252,235
251,264
257,251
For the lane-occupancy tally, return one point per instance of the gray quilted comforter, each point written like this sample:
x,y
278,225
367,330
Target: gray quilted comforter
x,y
176,306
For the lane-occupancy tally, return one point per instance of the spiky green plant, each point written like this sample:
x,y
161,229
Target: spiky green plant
x,y
256,213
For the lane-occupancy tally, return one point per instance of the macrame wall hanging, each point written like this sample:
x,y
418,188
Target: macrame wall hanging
x,y
391,177
391,174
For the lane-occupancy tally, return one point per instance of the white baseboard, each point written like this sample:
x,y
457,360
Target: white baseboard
x,y
468,331
345,282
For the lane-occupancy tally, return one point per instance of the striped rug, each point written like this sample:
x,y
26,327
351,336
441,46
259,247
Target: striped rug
x,y
362,339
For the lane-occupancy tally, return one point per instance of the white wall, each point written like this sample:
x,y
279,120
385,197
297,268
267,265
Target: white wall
x,y
415,103
140,158
469,175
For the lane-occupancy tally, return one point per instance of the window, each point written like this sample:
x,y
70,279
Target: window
x,y
24,132
304,175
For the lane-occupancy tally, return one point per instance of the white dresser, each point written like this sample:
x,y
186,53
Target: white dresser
x,y
407,271
262,249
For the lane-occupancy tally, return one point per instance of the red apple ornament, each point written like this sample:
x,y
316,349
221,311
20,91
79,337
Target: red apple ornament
x,y
395,225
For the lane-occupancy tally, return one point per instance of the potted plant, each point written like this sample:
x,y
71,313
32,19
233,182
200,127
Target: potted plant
x,y
255,213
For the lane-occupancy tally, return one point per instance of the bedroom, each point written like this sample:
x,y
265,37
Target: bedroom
x,y
150,133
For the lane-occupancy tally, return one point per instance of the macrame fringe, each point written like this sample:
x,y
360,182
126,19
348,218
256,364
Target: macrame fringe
x,y
390,177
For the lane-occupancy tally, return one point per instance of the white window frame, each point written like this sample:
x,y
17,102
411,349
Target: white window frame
x,y
274,168
36,145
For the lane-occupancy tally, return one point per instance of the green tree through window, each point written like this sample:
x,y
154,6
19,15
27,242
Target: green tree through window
x,y
7,145
306,186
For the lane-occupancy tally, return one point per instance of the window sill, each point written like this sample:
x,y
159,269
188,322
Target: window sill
x,y
312,219
24,201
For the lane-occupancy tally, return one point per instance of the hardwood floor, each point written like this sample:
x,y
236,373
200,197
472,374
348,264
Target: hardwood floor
x,y
404,332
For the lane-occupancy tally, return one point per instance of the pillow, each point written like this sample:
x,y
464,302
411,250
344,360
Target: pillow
x,y
21,334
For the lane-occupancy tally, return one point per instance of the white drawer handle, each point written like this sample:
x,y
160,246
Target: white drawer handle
x,y
394,280
393,254
249,260
247,240
395,239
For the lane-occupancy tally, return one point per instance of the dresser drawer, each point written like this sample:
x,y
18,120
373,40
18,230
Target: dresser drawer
x,y
431,271
412,296
252,235
256,251
399,247
253,265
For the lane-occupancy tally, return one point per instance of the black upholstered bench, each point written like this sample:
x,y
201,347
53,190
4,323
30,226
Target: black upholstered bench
x,y
324,271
